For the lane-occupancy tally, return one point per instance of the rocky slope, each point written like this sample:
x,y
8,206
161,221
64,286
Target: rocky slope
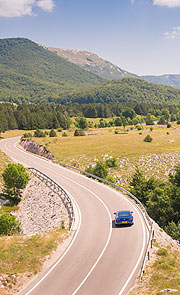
x,y
93,63
169,80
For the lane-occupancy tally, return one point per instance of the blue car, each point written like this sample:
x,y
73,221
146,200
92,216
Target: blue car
x,y
123,217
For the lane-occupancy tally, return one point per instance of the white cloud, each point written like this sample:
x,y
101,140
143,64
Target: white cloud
x,y
132,1
175,34
46,5
19,8
168,3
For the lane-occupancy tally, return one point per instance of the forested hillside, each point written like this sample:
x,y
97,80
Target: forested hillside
x,y
31,73
125,90
28,71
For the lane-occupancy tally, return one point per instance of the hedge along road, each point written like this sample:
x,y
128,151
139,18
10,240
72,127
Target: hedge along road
x,y
102,259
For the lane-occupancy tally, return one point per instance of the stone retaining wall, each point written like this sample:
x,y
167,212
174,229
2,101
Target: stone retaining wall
x,y
33,147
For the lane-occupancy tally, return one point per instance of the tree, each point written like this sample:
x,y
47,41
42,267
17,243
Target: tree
x,y
81,123
149,119
129,113
99,170
52,133
138,186
79,133
15,178
148,138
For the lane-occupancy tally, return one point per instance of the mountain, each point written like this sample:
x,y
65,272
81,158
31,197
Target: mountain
x,y
93,63
124,90
29,71
97,65
169,80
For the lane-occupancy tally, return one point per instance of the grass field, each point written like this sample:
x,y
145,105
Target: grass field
x,y
161,274
158,157
23,256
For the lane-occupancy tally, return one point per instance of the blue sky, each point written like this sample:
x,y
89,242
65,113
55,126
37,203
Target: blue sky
x,y
140,36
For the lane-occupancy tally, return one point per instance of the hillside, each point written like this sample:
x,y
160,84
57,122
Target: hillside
x,y
28,70
104,68
125,90
93,63
169,80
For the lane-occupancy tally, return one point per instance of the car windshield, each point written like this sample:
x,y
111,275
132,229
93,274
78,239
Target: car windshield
x,y
123,214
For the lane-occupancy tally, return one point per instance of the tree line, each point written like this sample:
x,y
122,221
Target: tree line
x,y
161,199
54,116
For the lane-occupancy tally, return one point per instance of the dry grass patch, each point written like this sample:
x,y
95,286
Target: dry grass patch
x,y
163,273
23,256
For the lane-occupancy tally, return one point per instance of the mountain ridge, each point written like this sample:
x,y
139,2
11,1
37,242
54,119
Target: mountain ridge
x,y
92,62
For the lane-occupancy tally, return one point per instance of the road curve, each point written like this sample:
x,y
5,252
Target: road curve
x,y
102,259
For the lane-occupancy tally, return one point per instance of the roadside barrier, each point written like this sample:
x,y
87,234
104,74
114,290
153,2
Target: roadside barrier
x,y
143,211
60,191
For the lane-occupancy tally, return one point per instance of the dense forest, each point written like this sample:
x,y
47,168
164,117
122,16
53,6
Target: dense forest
x,y
18,88
53,116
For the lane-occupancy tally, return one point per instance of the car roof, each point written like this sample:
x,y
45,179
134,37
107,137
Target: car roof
x,y
124,211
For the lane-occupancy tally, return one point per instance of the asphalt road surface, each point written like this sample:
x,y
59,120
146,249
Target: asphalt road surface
x,y
102,259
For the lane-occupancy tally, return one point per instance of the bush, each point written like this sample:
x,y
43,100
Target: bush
x,y
162,252
110,178
52,133
116,131
148,138
139,127
79,133
9,224
111,162
99,170
168,125
27,135
64,134
39,133
59,130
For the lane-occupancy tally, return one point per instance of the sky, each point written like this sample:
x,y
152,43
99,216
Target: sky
x,y
139,36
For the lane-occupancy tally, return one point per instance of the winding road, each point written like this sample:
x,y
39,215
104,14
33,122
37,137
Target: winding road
x,y
101,259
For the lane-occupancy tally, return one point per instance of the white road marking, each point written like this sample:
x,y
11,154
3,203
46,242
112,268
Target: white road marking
x,y
142,222
107,242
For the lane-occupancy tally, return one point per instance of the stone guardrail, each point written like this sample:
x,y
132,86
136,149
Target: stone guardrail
x,y
143,211
57,189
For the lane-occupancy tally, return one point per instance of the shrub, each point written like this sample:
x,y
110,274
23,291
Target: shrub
x,y
52,133
139,127
64,134
148,138
162,252
39,133
110,178
59,130
99,170
116,131
9,224
168,125
79,133
151,129
27,135
111,162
